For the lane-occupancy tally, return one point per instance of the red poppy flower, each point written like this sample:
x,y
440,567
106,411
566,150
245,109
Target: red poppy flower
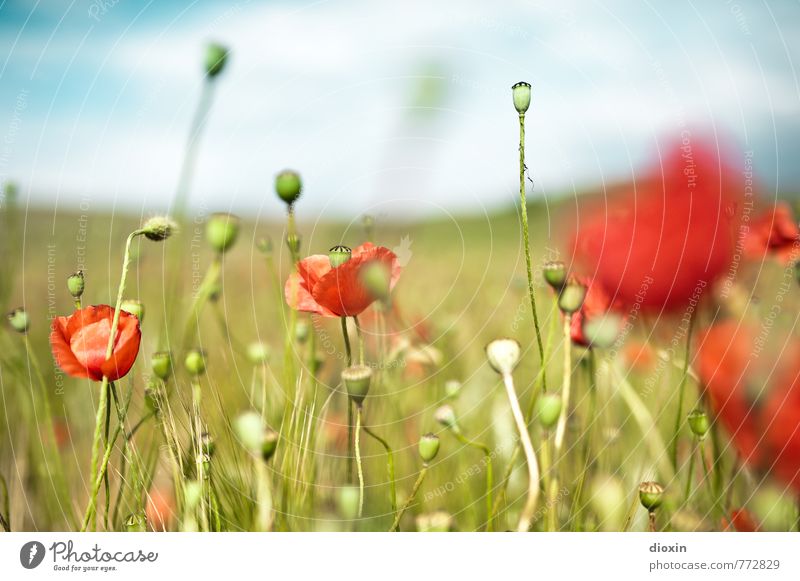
x,y
663,240
761,415
79,343
318,288
596,304
741,521
774,232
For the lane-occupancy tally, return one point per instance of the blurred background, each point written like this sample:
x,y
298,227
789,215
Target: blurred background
x,y
391,108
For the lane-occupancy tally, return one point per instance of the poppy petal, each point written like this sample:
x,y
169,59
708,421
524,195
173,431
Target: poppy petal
x,y
62,353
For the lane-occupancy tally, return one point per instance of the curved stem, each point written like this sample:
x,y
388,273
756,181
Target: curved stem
x,y
526,516
410,499
389,467
358,463
526,241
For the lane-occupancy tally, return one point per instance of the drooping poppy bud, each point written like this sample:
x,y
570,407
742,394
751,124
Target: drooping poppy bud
x,y
221,231
428,447
521,93
159,228
288,186
446,416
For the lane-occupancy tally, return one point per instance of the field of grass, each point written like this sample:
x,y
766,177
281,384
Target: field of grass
x,y
462,286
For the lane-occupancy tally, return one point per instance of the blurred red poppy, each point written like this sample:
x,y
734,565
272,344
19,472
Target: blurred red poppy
x,y
762,416
318,288
662,240
741,521
774,232
79,343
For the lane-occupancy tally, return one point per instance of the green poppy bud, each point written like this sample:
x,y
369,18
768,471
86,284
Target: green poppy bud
x,y
428,447
376,278
288,186
258,352
452,387
76,284
161,364
136,522
134,307
216,57
548,409
221,231
446,416
356,380
698,423
338,255
347,501
651,495
302,330
19,321
602,331
269,443
293,243
571,298
195,362
522,96
159,228
152,398
555,274
249,428
503,355
265,246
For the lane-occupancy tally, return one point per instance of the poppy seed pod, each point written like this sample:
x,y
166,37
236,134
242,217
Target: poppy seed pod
x,y
159,228
698,423
161,364
428,447
216,57
548,409
221,231
571,298
258,352
195,362
288,186
376,277
134,307
76,284
555,274
249,429
338,255
269,443
651,495
293,243
19,321
356,380
503,355
446,416
522,96
602,332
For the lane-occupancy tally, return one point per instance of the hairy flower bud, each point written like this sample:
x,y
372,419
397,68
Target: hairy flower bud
x,y
195,362
19,321
161,364
288,186
521,93
221,231
159,228
76,284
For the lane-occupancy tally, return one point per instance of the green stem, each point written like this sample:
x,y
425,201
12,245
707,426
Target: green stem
x,y
561,427
360,341
389,468
687,494
358,463
349,359
576,510
547,479
681,396
410,499
526,240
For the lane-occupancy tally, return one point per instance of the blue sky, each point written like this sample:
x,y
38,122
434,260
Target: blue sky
x,y
387,107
